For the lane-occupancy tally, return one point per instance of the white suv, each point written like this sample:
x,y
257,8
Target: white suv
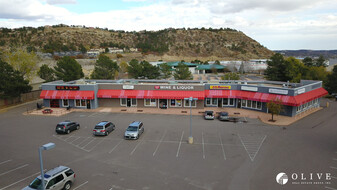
x,y
58,178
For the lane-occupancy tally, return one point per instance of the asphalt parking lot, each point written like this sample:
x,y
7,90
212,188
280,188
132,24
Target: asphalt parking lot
x,y
224,155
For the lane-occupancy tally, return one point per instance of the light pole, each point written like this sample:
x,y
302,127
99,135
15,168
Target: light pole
x,y
47,146
190,99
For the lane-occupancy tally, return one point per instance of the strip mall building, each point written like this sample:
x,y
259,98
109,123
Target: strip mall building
x,y
252,95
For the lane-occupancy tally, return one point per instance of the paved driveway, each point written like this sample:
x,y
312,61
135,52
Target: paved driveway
x,y
223,156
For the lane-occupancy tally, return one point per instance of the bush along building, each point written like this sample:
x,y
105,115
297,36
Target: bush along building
x,y
161,94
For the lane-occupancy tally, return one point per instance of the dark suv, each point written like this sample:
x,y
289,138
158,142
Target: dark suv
x,y
104,128
67,127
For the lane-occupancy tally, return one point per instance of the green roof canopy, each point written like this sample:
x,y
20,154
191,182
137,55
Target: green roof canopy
x,y
210,67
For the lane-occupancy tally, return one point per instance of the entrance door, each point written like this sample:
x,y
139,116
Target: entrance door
x,y
219,102
163,103
239,103
88,104
128,102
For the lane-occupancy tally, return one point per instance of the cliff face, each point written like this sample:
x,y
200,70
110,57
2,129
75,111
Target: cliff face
x,y
200,43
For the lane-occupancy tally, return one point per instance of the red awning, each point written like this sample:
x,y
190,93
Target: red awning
x,y
309,96
67,94
266,97
150,94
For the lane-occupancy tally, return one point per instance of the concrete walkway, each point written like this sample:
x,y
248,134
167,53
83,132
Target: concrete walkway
x,y
264,117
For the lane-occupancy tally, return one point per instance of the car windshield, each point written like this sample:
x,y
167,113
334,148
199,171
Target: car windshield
x,y
36,184
209,113
98,127
132,128
224,114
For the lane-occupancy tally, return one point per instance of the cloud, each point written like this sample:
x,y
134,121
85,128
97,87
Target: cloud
x,y
30,10
61,2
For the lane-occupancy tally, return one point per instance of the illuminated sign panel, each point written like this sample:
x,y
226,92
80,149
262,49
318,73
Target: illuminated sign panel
x,y
220,87
67,88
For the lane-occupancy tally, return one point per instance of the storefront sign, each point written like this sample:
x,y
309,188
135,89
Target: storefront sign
x,y
67,88
301,91
249,88
220,87
174,87
128,87
278,91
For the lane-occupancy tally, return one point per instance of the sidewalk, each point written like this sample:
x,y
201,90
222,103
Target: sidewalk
x,y
264,117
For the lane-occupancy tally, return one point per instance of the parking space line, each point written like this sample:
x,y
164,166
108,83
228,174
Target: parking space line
x,y
181,139
71,142
21,180
96,145
88,143
203,145
81,185
5,162
78,145
115,146
326,187
14,169
161,140
223,150
333,167
136,147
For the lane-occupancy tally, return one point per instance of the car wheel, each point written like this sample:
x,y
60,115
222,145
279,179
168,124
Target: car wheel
x,y
137,137
78,127
106,133
67,186
68,131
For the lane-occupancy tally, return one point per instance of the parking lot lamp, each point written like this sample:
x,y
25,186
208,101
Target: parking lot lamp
x,y
190,99
47,146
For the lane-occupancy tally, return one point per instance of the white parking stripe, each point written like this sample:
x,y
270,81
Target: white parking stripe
x,y
181,139
88,143
333,167
135,148
96,145
5,162
326,187
223,150
115,146
161,140
81,185
21,180
203,145
14,169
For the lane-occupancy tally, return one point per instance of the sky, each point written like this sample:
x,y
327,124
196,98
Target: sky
x,y
276,24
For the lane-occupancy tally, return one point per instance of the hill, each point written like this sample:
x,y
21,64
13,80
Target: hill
x,y
202,44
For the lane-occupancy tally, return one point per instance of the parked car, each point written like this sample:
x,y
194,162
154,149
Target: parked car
x,y
67,127
134,130
209,115
58,178
104,128
224,116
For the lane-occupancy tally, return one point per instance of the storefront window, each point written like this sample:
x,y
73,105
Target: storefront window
x,y
123,101
65,102
133,102
208,101
175,103
83,103
249,103
254,104
150,102
231,101
225,102
243,103
187,103
78,103
259,105
214,101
